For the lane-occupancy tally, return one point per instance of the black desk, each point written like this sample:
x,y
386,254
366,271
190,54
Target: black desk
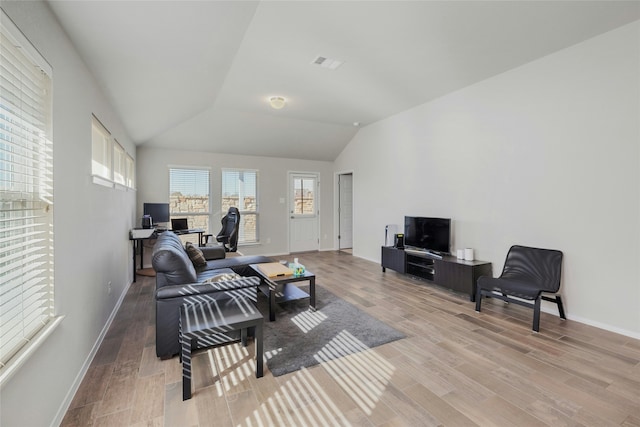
x,y
138,243
199,231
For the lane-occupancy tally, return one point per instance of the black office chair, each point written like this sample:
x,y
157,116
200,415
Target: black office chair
x,y
527,274
228,235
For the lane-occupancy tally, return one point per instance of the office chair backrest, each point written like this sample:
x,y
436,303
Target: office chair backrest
x,y
541,266
228,235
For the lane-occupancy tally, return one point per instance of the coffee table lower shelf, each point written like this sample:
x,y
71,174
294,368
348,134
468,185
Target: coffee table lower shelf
x,y
281,289
289,292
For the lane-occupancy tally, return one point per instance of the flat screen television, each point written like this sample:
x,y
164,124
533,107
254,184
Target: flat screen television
x,y
431,234
159,212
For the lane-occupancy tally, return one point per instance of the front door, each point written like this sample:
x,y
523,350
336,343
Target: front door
x,y
303,212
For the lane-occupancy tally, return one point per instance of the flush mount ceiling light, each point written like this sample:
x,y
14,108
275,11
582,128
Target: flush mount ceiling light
x,y
277,102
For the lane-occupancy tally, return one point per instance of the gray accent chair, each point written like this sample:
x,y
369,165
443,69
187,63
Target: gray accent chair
x,y
179,282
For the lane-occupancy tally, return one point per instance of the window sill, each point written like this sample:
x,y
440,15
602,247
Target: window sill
x,y
102,181
28,350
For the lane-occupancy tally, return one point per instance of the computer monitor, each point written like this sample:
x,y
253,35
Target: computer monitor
x,y
179,224
159,212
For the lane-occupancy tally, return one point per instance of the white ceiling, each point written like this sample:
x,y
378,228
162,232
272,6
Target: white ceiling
x,y
196,75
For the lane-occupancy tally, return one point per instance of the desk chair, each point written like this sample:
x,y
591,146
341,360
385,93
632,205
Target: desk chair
x,y
228,234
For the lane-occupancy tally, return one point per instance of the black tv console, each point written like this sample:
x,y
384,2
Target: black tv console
x,y
449,272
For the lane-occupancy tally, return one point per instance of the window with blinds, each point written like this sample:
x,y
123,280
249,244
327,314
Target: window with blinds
x,y
130,172
240,189
189,196
119,164
101,153
110,163
26,197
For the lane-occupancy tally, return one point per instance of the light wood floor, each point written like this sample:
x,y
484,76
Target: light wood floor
x,y
456,367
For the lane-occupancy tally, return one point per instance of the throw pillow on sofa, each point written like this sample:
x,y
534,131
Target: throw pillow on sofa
x,y
195,255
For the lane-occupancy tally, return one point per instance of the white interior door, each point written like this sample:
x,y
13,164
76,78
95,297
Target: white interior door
x,y
345,211
303,212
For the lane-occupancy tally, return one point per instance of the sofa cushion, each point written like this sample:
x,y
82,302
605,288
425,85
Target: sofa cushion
x,y
213,252
239,264
195,255
206,275
191,294
171,262
223,277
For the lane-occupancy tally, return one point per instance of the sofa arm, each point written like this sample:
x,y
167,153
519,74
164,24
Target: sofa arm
x,y
192,289
213,252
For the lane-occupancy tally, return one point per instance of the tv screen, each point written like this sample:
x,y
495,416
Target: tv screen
x,y
433,234
159,212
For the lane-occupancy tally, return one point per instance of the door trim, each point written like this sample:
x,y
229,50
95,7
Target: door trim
x,y
316,175
336,204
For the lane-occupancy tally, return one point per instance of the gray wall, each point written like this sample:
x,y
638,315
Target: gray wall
x,y
91,225
547,155
153,176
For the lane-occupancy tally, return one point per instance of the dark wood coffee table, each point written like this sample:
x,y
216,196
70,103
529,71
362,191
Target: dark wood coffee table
x,y
281,289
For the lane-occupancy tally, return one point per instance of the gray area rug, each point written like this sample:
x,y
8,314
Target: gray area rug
x,y
303,338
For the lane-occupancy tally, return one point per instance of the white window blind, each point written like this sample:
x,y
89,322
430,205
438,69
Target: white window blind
x,y
119,164
110,163
240,189
101,152
189,196
131,172
26,195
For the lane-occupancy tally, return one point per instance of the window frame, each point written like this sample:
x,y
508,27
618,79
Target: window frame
x,y
101,154
111,165
295,200
26,207
130,180
191,215
119,164
244,213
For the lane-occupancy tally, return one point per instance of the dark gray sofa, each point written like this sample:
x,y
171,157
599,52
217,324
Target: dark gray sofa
x,y
179,282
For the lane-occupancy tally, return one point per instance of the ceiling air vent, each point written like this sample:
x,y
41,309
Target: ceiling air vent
x,y
325,62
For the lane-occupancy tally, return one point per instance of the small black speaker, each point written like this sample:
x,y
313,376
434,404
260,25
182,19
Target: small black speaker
x,y
399,241
146,221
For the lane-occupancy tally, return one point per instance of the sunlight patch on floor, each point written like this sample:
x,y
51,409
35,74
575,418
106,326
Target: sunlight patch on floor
x,y
359,370
271,353
234,365
301,401
307,320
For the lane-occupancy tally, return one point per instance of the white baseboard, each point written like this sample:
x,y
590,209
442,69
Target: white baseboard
x,y
603,326
87,363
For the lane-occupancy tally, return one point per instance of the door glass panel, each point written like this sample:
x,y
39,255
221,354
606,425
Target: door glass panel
x,y
304,196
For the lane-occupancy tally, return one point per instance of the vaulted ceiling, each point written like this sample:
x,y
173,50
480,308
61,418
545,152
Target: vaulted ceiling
x,y
196,75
